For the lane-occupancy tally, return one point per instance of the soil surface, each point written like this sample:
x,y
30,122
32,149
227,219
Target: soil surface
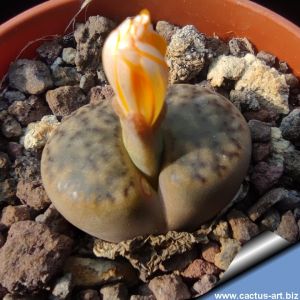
x,y
42,256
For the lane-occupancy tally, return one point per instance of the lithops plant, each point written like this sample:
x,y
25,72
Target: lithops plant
x,y
150,160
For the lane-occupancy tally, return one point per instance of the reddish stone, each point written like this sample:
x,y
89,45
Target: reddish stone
x,y
169,287
243,228
209,251
288,228
198,268
31,257
33,194
12,214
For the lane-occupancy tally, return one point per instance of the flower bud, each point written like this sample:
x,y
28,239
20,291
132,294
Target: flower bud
x,y
133,60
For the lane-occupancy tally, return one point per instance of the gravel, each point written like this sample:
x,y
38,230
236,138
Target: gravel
x,y
68,74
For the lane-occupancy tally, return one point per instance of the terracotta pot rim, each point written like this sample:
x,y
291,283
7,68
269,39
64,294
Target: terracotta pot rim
x,y
53,4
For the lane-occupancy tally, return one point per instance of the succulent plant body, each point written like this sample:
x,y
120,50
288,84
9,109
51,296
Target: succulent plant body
x,y
153,160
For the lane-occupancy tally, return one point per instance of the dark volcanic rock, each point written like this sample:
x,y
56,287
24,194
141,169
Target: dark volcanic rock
x,y
266,202
4,165
49,51
29,110
90,38
292,166
260,151
290,126
240,47
260,131
11,128
8,191
29,76
268,58
265,176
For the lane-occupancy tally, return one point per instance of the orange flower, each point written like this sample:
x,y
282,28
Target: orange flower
x,y
133,60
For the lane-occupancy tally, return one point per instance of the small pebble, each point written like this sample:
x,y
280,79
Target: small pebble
x,y
266,202
291,80
166,30
288,228
265,175
87,81
30,76
8,191
205,284
68,55
88,272
266,82
297,213
268,58
279,147
271,220
179,262
292,166
209,251
246,101
290,126
185,54
168,287
62,287
88,295
4,165
240,47
31,257
198,268
55,221
99,93
33,194
291,201
37,134
116,291
260,131
12,214
13,96
221,230
49,51
66,99
11,128
260,151
229,249
283,67
58,62
65,76
225,67
242,228
90,38
29,110
263,115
